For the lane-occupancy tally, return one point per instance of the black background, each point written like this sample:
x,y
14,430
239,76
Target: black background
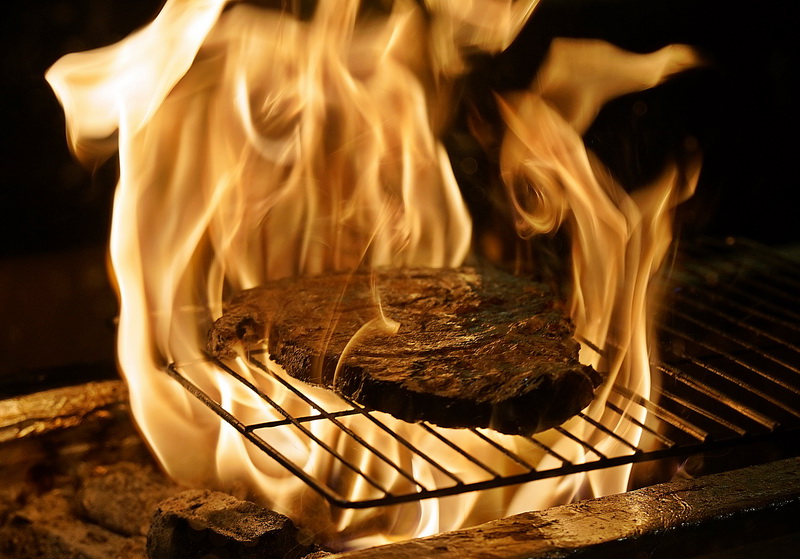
x,y
49,202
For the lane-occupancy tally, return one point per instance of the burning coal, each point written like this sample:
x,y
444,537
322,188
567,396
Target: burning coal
x,y
256,145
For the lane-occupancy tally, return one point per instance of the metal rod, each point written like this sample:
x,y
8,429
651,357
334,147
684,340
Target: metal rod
x,y
311,435
333,420
749,311
661,437
584,444
607,431
702,412
547,449
519,460
402,440
767,422
664,415
460,450
717,395
738,360
357,409
751,295
301,419
260,443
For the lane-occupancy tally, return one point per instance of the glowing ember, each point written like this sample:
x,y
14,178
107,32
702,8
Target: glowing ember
x,y
254,145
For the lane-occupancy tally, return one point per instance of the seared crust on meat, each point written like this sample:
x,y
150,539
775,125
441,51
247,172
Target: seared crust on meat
x,y
458,347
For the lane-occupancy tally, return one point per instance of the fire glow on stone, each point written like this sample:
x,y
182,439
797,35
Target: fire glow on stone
x,y
254,146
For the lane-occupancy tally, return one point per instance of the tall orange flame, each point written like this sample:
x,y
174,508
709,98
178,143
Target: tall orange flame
x,y
254,145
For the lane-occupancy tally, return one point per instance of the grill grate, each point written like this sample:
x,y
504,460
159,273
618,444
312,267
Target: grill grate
x,y
728,364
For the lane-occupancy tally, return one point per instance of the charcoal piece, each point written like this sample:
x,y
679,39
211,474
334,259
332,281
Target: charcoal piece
x,y
123,496
199,524
47,528
454,347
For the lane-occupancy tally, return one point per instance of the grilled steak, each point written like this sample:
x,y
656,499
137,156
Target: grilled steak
x,y
455,347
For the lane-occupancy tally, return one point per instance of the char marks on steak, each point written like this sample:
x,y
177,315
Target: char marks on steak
x,y
455,347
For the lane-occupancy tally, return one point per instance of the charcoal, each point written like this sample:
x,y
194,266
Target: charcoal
x,y
123,496
202,523
48,528
454,347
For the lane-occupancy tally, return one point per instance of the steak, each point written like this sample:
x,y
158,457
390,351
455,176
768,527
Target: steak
x,y
458,347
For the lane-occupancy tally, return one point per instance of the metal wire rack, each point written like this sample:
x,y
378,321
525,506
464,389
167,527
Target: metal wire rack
x,y
729,368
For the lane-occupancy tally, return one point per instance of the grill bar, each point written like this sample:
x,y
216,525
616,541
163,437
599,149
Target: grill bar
x,y
302,419
705,308
485,467
710,392
406,444
665,416
268,449
581,442
665,441
548,450
329,417
694,408
742,345
599,426
728,377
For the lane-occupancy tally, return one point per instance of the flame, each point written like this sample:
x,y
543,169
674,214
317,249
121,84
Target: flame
x,y
255,145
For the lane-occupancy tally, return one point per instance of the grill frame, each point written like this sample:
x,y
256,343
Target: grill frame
x,y
702,406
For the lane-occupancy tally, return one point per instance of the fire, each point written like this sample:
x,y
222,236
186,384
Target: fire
x,y
255,145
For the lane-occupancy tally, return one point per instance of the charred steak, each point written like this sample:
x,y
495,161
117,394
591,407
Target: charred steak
x,y
455,347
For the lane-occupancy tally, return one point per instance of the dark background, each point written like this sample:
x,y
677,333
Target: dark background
x,y
57,309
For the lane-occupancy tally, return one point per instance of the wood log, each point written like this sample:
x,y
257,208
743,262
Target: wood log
x,y
750,512
59,409
456,347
